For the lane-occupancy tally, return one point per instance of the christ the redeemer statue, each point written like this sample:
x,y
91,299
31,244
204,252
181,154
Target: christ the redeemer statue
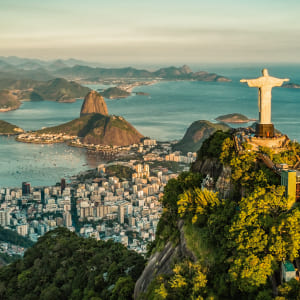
x,y
265,83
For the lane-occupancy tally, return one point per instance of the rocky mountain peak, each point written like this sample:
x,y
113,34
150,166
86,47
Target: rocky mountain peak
x,y
186,69
93,103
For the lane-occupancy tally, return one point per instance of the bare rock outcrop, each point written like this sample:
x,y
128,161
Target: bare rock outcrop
x,y
93,103
163,262
215,169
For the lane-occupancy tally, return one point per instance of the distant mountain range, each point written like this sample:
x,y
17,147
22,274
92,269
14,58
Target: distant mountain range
x,y
24,68
13,67
57,89
169,73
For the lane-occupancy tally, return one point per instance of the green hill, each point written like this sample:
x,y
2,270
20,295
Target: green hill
x,y
61,90
99,129
198,132
62,265
114,93
10,236
8,100
211,246
234,118
58,89
8,128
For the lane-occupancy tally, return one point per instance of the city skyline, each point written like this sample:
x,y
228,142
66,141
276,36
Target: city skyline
x,y
144,32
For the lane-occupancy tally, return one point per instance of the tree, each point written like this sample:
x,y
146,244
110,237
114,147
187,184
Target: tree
x,y
123,289
263,233
197,203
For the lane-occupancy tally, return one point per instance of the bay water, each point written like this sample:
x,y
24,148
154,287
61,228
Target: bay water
x,y
163,115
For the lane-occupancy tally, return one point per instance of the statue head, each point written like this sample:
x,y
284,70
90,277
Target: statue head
x,y
265,72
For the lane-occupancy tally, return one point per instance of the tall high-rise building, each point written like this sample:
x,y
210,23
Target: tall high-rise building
x,y
62,184
67,219
121,212
25,188
4,217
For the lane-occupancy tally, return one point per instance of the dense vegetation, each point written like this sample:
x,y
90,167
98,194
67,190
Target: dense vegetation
x,y
8,128
10,236
58,89
119,171
92,124
114,93
98,129
196,134
239,242
6,259
62,265
290,156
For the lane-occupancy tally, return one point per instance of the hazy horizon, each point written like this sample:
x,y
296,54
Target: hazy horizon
x,y
168,32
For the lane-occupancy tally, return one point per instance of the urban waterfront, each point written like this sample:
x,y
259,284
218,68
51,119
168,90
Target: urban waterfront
x,y
125,208
164,115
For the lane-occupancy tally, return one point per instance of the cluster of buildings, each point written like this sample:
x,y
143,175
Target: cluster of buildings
x,y
11,249
126,210
177,157
45,138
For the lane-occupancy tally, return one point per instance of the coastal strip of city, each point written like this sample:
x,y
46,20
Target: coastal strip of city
x,y
118,200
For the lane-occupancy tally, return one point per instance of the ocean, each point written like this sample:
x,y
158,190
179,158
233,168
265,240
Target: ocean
x,y
164,115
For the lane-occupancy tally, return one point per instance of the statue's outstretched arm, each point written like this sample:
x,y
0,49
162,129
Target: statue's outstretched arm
x,y
252,82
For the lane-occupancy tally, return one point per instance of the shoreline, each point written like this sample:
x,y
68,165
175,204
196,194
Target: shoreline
x,y
237,121
9,108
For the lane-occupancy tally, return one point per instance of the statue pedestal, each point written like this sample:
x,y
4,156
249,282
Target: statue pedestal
x,y
265,130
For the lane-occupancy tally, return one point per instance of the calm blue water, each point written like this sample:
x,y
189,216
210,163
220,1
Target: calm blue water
x,y
164,115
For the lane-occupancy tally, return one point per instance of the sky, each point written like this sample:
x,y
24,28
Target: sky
x,y
156,31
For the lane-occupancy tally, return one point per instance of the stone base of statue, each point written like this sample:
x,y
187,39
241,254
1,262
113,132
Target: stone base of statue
x,y
265,130
277,143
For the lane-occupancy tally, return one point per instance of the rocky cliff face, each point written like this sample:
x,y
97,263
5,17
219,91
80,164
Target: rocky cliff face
x,y
93,103
162,262
220,173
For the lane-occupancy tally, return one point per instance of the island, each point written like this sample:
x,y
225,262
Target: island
x,y
291,85
234,118
115,93
9,129
122,91
142,94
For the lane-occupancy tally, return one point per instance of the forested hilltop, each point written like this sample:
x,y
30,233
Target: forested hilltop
x,y
225,231
227,244
62,265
